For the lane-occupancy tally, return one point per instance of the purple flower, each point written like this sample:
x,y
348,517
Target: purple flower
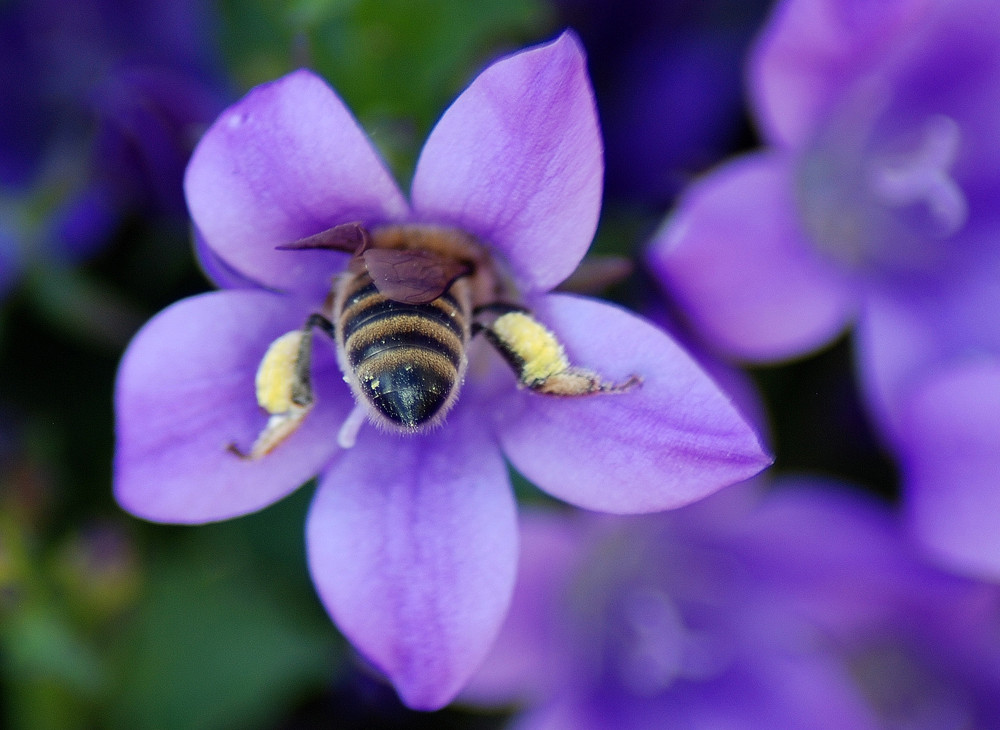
x,y
412,538
874,200
801,608
104,102
10,260
949,431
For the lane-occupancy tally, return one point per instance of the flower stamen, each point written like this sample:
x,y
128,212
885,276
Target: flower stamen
x,y
923,176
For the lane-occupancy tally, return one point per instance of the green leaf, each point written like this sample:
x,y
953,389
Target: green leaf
x,y
221,641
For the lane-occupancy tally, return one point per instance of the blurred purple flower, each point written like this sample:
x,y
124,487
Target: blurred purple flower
x,y
10,259
877,199
803,608
948,436
104,102
668,79
412,539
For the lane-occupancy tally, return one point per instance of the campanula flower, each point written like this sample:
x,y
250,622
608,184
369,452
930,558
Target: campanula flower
x,y
874,201
803,608
103,104
411,537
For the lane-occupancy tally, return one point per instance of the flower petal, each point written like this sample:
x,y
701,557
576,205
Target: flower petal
x,y
517,160
218,271
185,391
523,665
286,161
670,441
906,333
810,52
951,464
413,548
735,259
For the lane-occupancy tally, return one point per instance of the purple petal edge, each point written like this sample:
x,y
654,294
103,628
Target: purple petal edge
x,y
518,160
412,546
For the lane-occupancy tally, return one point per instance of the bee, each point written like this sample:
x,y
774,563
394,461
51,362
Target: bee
x,y
402,316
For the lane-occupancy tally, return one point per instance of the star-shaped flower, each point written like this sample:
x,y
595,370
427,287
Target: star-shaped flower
x,y
412,537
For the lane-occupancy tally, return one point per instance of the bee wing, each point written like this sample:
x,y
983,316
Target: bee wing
x,y
347,237
412,276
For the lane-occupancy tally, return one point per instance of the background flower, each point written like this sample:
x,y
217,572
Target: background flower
x,y
871,201
106,101
669,88
747,609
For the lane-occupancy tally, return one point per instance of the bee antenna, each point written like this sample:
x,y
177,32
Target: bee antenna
x,y
347,237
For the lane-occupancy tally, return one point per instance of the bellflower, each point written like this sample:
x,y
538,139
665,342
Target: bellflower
x,y
875,199
412,538
743,611
104,102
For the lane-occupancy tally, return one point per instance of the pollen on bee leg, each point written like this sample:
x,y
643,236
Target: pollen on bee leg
x,y
348,434
279,427
540,360
283,390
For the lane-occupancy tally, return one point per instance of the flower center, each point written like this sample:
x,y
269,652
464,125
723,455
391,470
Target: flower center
x,y
878,199
650,655
921,178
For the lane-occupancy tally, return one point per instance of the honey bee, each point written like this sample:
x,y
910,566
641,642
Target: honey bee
x,y
402,315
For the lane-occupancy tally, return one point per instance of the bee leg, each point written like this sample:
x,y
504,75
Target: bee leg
x,y
538,359
284,387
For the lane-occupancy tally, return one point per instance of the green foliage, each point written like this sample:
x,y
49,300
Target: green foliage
x,y
216,643
397,63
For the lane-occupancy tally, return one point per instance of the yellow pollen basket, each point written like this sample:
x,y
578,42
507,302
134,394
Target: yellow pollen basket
x,y
541,352
276,375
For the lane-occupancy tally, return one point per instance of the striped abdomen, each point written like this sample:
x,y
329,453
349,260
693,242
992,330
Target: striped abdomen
x,y
406,360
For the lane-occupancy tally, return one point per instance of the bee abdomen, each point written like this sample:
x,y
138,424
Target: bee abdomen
x,y
408,360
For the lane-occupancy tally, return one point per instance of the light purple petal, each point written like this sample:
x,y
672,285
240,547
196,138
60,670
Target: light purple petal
x,y
286,161
218,271
813,515
185,391
951,465
810,51
517,160
673,440
909,332
413,549
566,713
737,263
